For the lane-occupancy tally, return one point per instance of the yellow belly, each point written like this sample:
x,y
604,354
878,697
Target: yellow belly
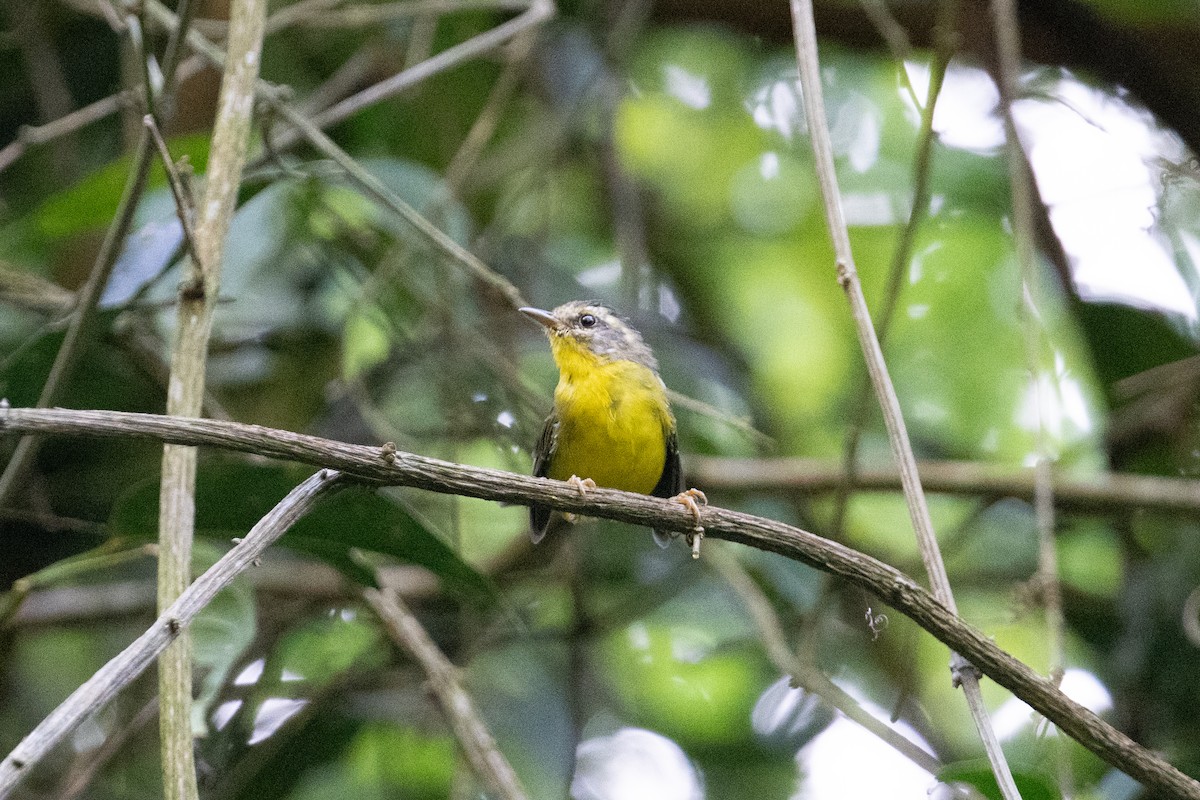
x,y
613,424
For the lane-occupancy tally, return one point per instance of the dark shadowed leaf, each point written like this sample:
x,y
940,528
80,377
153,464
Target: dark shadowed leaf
x,y
232,496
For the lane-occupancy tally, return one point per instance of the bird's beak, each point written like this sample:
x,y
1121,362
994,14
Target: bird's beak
x,y
541,317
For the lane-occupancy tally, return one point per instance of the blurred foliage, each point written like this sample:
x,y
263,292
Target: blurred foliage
x,y
336,319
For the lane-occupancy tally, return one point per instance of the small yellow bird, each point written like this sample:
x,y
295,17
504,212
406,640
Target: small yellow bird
x,y
611,425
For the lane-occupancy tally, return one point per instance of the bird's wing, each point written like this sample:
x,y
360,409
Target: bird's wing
x,y
671,482
539,516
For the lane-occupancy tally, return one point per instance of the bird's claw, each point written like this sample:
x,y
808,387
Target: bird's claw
x,y
692,499
583,486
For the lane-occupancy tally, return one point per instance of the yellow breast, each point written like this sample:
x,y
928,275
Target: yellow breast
x,y
613,421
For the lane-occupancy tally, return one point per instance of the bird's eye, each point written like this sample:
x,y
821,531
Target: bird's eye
x,y
587,320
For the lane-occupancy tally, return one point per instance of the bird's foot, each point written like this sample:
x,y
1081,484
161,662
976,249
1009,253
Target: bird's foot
x,y
692,499
583,486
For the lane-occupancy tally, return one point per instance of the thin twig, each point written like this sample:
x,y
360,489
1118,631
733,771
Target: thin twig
x,y
964,674
131,662
1099,493
485,123
30,291
538,12
383,466
298,13
1008,47
365,15
33,135
30,135
367,182
802,671
89,295
901,256
895,37
78,331
185,204
405,630
82,776
47,80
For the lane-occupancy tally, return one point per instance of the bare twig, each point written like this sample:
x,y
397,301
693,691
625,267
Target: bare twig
x,y
964,675
374,465
538,11
298,14
405,630
1008,47
367,182
81,777
33,135
803,672
895,37
30,135
47,80
366,15
328,14
131,662
81,320
901,256
185,205
89,295
489,116
26,290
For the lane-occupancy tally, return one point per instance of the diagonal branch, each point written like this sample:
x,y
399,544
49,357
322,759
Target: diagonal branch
x,y
386,466
138,656
366,182
485,758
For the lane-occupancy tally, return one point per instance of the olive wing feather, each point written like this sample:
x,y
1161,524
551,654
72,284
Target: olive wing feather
x,y
671,482
539,516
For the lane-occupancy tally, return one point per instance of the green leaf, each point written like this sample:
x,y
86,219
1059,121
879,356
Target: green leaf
x,y
1032,784
232,496
93,202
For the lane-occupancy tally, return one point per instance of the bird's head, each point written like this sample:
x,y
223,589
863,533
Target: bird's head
x,y
590,328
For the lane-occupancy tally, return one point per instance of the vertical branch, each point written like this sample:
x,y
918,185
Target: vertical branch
x,y
1008,68
965,675
185,387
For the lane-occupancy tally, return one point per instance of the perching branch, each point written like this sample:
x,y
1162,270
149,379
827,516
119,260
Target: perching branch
x,y
385,466
138,656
